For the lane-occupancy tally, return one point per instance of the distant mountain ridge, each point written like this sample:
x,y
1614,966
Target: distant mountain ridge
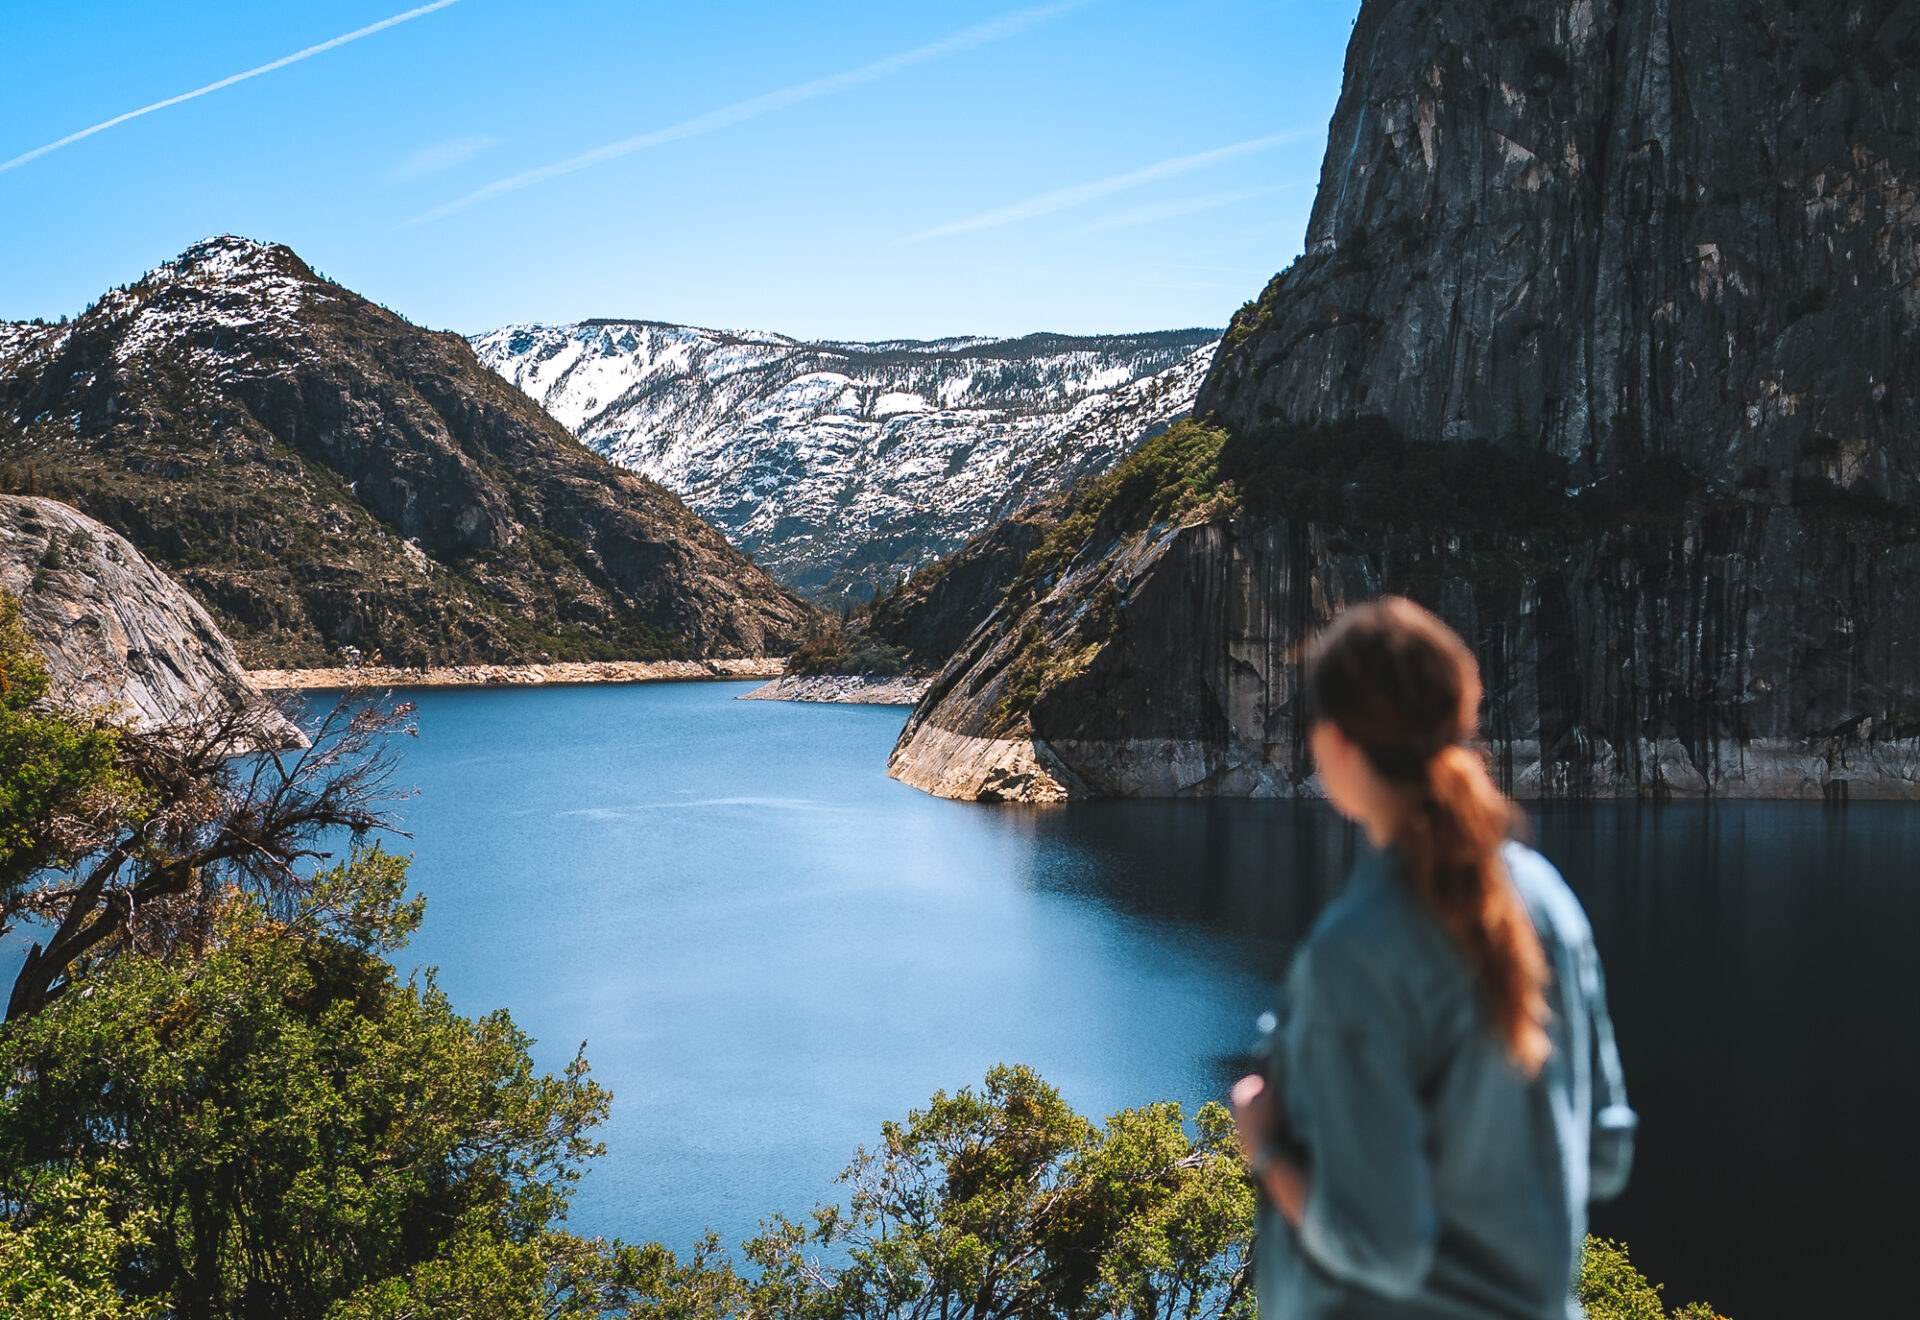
x,y
839,465
322,474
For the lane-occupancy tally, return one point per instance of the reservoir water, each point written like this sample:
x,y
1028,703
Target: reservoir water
x,y
770,948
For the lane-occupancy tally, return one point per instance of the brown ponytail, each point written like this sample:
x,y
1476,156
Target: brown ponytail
x,y
1404,688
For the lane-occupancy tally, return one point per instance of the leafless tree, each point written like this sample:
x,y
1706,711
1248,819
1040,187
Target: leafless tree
x,y
220,804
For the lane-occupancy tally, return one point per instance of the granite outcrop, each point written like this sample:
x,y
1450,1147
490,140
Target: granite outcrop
x,y
119,636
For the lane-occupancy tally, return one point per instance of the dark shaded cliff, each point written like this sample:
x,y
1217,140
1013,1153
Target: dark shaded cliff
x,y
930,614
320,474
1604,345
1614,233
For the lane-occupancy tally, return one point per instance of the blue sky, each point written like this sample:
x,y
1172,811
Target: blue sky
x,y
846,169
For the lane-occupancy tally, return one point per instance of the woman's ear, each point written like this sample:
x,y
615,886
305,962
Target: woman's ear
x,y
1332,749
1344,775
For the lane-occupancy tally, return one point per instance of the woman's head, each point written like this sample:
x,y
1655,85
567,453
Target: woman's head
x,y
1389,681
1393,698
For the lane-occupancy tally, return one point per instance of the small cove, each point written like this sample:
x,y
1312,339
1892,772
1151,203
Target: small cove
x,y
770,948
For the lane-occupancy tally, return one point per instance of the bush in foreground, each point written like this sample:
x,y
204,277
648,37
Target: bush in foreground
x,y
1610,1288
1005,1203
280,1127
276,1125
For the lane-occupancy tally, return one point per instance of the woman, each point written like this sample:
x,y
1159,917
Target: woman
x,y
1443,1097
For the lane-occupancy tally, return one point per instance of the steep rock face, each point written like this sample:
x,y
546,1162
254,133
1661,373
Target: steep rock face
x,y
1614,231
1666,260
931,614
114,630
842,466
1604,678
322,474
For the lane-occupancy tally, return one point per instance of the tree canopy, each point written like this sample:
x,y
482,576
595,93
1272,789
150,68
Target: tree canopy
x,y
116,836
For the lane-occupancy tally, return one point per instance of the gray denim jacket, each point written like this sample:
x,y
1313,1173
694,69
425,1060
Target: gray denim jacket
x,y
1444,1182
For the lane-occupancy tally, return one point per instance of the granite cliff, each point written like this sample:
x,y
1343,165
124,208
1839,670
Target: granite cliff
x,y
323,475
930,615
115,631
1604,345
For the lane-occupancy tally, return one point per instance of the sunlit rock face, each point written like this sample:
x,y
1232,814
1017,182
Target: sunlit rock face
x,y
1615,232
118,635
1665,260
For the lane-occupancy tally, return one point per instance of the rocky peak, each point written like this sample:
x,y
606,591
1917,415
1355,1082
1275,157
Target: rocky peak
x,y
231,258
326,474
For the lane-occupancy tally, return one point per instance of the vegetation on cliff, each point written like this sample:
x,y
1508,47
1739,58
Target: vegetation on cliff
x,y
846,646
57,771
918,622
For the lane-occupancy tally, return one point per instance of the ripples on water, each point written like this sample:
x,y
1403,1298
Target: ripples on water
x,y
770,948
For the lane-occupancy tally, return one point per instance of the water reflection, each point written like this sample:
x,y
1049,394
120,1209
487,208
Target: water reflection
x,y
1262,869
1761,964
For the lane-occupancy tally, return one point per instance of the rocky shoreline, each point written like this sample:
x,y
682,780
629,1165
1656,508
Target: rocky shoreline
x,y
596,671
846,689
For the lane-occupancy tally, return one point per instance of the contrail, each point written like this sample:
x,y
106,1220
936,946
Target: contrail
x,y
1143,215
753,108
281,63
1060,199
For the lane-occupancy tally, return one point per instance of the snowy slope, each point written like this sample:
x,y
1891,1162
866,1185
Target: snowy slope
x,y
838,465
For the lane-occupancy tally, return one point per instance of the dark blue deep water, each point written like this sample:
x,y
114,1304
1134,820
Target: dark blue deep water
x,y
769,948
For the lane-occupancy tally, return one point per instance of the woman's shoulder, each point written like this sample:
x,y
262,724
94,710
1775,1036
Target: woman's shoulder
x,y
1376,929
1555,908
1370,900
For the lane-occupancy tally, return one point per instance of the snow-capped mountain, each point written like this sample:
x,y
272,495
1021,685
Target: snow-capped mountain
x,y
839,465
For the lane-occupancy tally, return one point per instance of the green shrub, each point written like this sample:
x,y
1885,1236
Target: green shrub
x,y
833,648
63,1263
1005,1202
291,1124
1175,472
1610,1288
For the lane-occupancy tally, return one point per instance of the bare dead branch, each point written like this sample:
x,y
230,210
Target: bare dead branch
x,y
225,806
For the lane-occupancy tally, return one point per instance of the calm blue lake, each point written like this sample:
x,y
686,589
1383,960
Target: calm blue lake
x,y
769,948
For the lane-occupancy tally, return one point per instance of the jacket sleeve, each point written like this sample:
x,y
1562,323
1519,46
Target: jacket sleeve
x,y
1370,1216
1610,1151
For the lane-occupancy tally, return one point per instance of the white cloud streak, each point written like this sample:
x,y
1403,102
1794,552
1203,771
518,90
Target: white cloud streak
x,y
438,156
1146,215
280,63
752,108
1063,198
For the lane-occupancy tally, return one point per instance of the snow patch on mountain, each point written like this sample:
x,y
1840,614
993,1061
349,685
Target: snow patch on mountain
x,y
839,465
